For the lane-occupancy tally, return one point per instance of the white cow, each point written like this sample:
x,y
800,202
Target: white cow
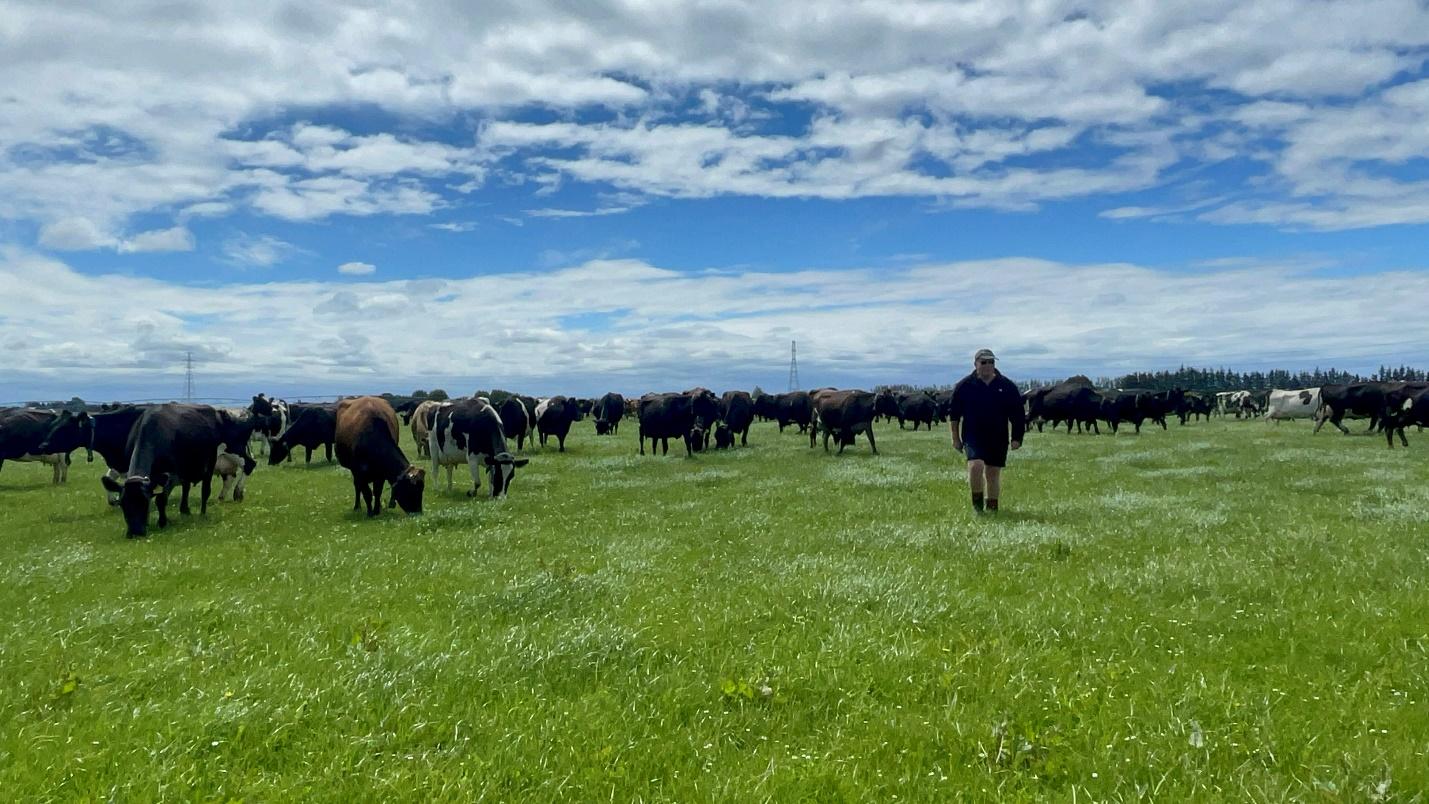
x,y
1300,404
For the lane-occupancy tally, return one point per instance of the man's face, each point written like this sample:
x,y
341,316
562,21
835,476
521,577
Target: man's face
x,y
986,368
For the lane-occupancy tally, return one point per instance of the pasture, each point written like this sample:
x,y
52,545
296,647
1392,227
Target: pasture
x,y
1225,611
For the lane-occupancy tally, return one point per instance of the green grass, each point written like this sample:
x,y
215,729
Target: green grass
x,y
1227,611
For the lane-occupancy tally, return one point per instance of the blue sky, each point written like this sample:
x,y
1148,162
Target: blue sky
x,y
637,196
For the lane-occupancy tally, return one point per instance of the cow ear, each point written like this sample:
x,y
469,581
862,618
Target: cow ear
x,y
519,462
110,484
159,481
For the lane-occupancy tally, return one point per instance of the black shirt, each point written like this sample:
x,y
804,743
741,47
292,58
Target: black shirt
x,y
986,409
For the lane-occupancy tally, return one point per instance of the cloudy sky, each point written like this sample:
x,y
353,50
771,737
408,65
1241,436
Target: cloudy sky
x,y
573,197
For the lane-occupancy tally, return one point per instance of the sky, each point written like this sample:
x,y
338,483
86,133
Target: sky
x,y
328,198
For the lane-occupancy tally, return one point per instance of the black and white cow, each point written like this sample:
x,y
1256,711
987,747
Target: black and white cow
x,y
470,431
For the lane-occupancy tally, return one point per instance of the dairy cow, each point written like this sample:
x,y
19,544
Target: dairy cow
x,y
471,431
367,445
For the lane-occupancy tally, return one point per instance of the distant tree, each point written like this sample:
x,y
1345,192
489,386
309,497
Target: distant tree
x,y
419,394
437,395
757,391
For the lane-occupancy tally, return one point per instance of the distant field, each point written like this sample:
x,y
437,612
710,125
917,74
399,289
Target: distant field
x,y
1225,611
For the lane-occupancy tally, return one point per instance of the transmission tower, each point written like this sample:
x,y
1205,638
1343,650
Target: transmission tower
x,y
188,376
793,366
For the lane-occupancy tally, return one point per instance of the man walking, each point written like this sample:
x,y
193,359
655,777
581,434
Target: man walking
x,y
984,404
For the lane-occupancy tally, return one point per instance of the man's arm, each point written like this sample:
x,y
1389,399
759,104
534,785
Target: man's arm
x,y
1019,420
957,440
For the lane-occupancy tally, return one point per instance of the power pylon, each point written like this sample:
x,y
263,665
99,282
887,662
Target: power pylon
x,y
188,376
793,366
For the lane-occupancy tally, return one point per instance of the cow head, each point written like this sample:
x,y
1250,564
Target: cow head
x,y
69,432
407,489
885,403
698,438
134,495
501,469
602,427
278,452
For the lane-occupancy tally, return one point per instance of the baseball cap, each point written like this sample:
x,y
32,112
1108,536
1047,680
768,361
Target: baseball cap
x,y
984,354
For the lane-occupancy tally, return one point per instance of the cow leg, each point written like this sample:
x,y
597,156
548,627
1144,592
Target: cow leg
x,y
744,438
328,447
562,440
873,445
184,499
376,507
205,488
473,464
359,490
1373,420
664,446
161,504
309,458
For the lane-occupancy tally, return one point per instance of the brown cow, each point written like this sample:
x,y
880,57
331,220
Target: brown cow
x,y
367,445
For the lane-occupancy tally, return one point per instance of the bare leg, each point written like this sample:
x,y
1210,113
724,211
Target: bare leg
x,y
994,486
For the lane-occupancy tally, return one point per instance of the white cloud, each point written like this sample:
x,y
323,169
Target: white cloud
x,y
74,234
258,252
357,268
176,239
103,122
635,327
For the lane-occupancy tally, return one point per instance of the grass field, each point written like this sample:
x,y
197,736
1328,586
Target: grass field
x,y
1225,611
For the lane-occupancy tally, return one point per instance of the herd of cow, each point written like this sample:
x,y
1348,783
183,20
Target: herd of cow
x,y
150,449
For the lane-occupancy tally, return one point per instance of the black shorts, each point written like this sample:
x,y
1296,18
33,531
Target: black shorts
x,y
994,454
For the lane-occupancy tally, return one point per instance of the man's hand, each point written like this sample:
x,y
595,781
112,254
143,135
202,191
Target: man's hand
x,y
1016,445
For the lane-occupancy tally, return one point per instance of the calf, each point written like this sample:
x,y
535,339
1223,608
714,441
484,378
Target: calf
x,y
471,431
421,421
233,470
368,446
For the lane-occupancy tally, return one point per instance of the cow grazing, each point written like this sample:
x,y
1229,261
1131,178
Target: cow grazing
x,y
175,444
843,414
471,431
233,470
270,418
104,433
1297,404
666,416
368,446
420,421
554,417
314,426
608,411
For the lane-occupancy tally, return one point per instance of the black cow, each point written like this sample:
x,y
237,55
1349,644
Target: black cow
x,y
312,427
705,405
175,444
885,406
737,412
795,407
1404,405
1194,406
666,416
1073,400
723,436
23,431
515,420
368,446
608,411
106,433
917,407
843,414
555,419
766,406
472,428
1356,400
